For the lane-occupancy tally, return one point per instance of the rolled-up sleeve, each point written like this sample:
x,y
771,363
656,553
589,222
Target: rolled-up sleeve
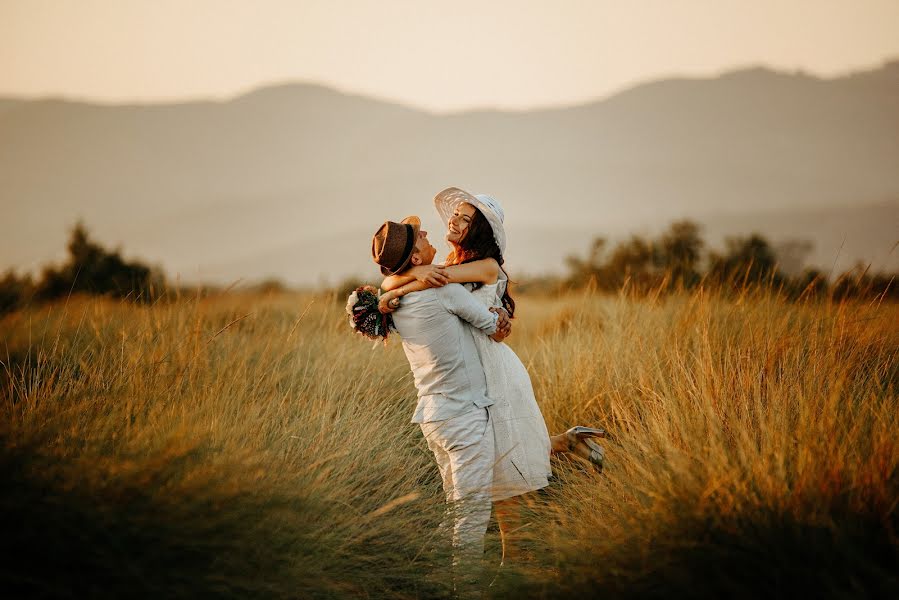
x,y
459,301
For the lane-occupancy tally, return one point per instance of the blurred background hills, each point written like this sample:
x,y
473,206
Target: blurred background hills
x,y
290,181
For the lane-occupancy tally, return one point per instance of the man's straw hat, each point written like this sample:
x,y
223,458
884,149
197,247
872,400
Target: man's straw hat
x,y
393,243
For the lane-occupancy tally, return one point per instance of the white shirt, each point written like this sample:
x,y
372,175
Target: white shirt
x,y
441,351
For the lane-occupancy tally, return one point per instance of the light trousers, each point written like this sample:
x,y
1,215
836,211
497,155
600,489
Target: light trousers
x,y
464,449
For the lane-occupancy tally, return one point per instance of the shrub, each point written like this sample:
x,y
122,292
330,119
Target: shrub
x,y
14,291
95,270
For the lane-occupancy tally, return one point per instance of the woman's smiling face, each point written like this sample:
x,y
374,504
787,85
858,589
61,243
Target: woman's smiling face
x,y
460,222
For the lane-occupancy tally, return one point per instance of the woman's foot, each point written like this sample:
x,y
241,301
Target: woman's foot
x,y
581,444
591,452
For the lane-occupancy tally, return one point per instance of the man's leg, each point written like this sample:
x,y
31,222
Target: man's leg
x,y
442,458
468,442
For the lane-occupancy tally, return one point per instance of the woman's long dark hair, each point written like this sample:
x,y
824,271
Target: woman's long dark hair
x,y
477,244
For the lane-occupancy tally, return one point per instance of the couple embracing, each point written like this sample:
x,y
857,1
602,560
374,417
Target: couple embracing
x,y
476,406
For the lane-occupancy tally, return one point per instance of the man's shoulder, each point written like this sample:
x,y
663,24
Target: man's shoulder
x,y
442,294
425,295
450,289
454,294
411,303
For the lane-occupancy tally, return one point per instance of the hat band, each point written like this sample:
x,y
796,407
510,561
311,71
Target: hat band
x,y
410,241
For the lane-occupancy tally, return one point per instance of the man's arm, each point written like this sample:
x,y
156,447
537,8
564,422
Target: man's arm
x,y
459,301
503,325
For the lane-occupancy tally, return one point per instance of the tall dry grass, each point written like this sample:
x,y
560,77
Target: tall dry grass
x,y
250,446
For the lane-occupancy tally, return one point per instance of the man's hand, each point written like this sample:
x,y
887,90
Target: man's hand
x,y
433,275
388,302
503,324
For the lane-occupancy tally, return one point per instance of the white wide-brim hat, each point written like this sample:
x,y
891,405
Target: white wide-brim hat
x,y
447,201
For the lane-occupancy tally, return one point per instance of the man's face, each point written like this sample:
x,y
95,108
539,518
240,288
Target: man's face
x,y
424,252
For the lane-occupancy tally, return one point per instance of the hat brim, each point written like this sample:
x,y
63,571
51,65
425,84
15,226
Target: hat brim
x,y
415,222
446,202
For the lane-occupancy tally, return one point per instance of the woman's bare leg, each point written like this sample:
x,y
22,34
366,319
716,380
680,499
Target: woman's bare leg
x,y
508,517
559,443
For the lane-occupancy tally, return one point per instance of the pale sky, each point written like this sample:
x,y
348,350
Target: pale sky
x,y
441,56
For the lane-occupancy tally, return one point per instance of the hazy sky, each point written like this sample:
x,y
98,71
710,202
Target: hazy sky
x,y
437,55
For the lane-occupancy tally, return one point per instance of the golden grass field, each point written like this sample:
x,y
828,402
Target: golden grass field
x,y
249,445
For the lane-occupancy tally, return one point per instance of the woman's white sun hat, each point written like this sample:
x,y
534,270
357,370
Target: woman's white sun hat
x,y
447,201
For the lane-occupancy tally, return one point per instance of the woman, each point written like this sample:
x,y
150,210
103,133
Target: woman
x,y
477,238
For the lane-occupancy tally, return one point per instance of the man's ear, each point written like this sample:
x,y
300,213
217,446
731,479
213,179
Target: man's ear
x,y
416,258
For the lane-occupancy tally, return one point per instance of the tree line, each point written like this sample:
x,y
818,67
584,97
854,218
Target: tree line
x,y
90,268
677,259
680,259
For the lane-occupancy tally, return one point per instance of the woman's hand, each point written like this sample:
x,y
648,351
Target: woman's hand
x,y
433,275
388,302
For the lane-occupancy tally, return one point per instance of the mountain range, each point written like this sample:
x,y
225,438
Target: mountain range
x,y
290,181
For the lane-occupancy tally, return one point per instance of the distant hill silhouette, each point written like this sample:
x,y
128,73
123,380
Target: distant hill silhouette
x,y
291,180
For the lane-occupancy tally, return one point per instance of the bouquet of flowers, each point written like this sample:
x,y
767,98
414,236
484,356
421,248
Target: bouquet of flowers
x,y
365,318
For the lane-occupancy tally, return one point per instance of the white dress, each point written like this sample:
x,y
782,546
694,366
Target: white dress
x,y
522,440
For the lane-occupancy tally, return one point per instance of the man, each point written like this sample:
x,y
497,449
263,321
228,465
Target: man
x,y
452,399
